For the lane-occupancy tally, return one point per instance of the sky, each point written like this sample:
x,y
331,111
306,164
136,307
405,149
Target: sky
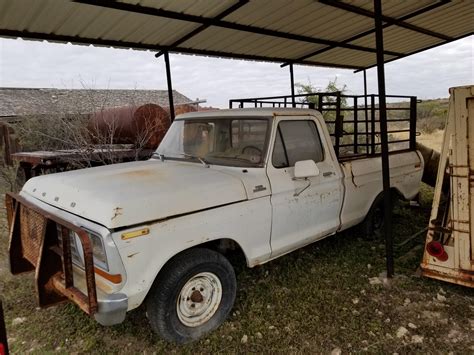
x,y
39,64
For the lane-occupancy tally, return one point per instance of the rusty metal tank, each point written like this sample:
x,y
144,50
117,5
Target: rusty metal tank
x,y
143,126
179,109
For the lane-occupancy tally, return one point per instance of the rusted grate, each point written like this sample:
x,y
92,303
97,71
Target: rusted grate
x,y
33,227
31,249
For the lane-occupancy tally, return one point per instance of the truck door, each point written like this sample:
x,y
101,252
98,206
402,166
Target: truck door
x,y
302,210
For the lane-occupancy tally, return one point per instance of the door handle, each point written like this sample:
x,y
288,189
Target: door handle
x,y
328,173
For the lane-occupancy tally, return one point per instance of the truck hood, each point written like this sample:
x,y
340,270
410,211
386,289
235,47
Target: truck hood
x,y
125,194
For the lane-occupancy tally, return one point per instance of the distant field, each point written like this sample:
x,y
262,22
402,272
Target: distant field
x,y
432,140
324,297
431,119
431,114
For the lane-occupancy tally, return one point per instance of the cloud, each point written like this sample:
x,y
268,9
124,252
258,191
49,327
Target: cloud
x,y
39,64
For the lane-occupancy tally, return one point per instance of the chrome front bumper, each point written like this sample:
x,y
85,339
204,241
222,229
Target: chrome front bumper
x,y
111,309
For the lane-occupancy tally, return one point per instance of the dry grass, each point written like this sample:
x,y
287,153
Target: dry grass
x,y
433,140
313,300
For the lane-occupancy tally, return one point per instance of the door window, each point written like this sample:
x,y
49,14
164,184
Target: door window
x,y
296,141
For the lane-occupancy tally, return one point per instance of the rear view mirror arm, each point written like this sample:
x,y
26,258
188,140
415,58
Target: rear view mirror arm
x,y
297,193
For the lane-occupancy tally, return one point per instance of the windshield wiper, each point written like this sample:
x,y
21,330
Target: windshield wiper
x,y
201,160
159,155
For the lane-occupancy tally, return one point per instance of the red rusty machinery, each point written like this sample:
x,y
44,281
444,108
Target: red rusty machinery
x,y
3,333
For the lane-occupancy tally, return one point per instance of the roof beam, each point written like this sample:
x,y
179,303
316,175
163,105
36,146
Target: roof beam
x,y
144,46
366,33
152,11
201,28
218,54
387,19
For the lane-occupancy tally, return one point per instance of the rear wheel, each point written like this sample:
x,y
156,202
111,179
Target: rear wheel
x,y
192,296
373,224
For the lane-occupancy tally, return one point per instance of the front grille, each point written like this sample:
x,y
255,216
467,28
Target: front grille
x,y
32,230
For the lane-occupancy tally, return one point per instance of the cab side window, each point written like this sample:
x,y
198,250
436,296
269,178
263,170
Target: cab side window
x,y
296,141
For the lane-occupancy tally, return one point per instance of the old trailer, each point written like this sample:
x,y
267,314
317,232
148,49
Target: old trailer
x,y
449,249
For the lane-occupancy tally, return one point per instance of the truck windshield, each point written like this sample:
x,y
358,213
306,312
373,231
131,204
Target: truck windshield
x,y
220,141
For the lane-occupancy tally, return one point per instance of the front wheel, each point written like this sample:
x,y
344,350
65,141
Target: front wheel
x,y
192,296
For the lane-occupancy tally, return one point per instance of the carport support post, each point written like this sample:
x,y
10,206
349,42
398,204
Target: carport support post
x,y
292,83
366,115
384,138
170,87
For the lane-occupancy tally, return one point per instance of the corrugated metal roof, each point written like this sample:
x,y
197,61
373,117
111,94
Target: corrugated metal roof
x,y
310,32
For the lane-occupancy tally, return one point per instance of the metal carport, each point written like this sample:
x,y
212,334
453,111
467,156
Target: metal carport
x,y
355,34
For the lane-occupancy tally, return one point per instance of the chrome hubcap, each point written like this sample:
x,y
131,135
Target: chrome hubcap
x,y
199,299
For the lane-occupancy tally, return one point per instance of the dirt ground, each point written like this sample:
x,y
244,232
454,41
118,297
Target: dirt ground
x,y
323,298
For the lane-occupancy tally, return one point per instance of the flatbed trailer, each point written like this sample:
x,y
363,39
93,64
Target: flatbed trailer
x,y
38,162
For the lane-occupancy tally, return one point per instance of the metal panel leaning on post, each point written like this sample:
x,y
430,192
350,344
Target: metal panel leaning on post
x,y
449,249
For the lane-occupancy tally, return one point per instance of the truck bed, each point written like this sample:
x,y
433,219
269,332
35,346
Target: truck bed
x,y
363,181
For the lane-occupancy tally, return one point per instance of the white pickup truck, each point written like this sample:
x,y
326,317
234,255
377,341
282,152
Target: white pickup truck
x,y
260,181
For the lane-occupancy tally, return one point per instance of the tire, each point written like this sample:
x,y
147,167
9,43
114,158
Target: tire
x,y
372,226
176,308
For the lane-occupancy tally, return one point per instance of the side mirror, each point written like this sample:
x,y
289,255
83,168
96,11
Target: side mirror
x,y
305,169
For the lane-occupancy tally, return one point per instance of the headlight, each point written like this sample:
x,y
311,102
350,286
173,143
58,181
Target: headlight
x,y
98,251
77,254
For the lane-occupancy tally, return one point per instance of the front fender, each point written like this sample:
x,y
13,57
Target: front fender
x,y
247,223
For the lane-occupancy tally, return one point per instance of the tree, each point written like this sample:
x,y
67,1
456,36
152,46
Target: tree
x,y
332,87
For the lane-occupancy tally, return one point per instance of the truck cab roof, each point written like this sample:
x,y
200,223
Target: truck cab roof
x,y
267,112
